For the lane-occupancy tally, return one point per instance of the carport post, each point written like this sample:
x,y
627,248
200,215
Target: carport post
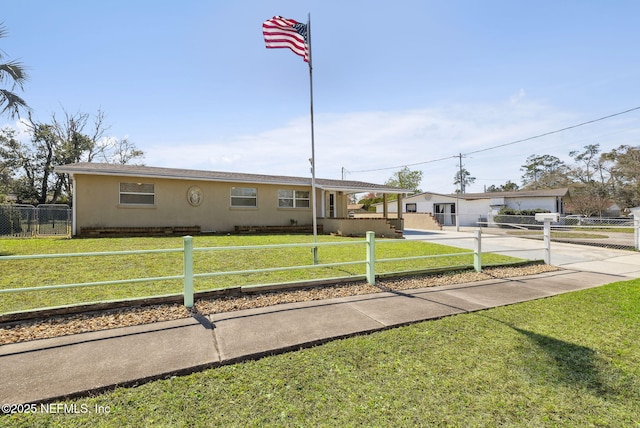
x,y
477,251
371,257
188,271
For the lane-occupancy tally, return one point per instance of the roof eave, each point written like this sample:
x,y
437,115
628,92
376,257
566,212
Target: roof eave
x,y
166,174
353,190
71,171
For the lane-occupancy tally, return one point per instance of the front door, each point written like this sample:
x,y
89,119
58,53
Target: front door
x,y
445,214
332,205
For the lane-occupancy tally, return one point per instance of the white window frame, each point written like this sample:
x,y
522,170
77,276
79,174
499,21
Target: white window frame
x,y
294,198
130,189
244,197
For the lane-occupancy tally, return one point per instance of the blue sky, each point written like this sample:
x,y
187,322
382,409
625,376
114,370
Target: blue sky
x,y
395,83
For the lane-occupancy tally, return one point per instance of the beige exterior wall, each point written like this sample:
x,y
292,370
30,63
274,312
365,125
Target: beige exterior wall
x,y
97,205
359,227
375,215
421,221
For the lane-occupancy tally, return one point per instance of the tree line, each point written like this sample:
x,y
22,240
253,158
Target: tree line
x,y
595,179
27,167
27,163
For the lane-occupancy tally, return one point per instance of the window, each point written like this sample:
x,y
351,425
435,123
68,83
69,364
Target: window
x,y
293,198
137,194
244,197
412,208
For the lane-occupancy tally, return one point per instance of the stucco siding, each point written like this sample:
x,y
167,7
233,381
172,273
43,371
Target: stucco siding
x,y
359,227
98,205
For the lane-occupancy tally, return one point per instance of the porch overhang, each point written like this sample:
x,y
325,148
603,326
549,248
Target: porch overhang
x,y
350,190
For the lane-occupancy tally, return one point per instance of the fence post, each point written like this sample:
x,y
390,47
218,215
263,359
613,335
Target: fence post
x,y
188,271
636,231
547,242
477,255
371,257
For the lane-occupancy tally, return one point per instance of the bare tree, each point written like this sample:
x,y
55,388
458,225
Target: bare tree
x,y
544,172
77,137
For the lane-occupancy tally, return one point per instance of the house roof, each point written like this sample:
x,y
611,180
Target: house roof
x,y
493,195
355,207
519,194
563,192
346,186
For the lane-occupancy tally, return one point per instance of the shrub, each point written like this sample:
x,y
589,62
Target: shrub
x,y
517,217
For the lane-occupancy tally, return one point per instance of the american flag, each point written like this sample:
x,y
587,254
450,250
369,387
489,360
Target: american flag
x,y
281,32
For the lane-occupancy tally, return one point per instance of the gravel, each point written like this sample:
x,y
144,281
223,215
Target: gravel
x,y
73,324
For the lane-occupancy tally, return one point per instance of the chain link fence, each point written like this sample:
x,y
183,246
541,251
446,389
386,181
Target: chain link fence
x,y
27,221
619,233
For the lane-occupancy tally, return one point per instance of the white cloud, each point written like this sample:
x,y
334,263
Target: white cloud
x,y
381,139
21,127
515,98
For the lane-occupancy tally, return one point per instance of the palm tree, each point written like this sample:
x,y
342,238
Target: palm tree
x,y
11,72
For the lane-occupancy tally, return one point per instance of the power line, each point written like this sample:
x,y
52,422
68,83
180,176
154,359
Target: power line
x,y
502,145
554,132
405,165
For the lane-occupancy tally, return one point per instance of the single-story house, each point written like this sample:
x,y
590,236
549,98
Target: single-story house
x,y
608,209
471,208
111,198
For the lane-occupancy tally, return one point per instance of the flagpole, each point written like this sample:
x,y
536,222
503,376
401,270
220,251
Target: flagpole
x,y
313,150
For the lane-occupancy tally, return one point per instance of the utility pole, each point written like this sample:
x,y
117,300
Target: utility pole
x,y
462,189
459,193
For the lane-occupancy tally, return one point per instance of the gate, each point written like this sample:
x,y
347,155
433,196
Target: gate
x,y
27,221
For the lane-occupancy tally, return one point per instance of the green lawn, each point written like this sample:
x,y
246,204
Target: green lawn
x,y
571,360
54,271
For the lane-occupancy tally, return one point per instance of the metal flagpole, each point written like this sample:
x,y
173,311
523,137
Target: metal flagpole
x,y
458,196
313,155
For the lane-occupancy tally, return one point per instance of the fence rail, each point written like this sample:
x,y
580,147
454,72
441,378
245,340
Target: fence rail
x,y
188,276
619,233
546,233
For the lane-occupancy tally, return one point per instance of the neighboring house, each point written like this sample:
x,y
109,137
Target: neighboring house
x,y
121,198
608,209
471,208
612,210
354,209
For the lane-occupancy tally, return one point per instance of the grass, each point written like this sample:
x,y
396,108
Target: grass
x,y
570,360
612,229
54,271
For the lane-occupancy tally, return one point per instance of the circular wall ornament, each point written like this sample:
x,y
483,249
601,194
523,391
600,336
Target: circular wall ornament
x,y
194,196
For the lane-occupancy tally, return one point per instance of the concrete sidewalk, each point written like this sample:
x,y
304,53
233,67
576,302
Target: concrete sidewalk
x,y
49,369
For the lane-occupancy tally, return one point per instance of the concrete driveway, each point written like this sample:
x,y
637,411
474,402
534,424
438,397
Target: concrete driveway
x,y
569,256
